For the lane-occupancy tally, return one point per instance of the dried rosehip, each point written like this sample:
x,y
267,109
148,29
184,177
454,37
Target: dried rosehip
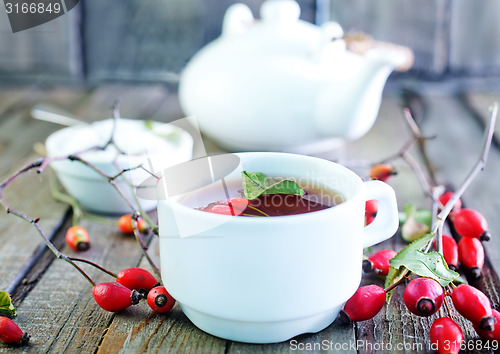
x,y
378,262
474,306
471,254
371,208
366,302
471,223
10,332
137,279
490,335
78,238
160,300
382,172
423,296
114,297
450,251
446,336
445,198
125,224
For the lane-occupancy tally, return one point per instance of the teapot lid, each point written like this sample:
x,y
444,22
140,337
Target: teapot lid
x,y
278,27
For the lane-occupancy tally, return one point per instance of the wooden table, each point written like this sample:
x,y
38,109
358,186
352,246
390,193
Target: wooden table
x,y
55,303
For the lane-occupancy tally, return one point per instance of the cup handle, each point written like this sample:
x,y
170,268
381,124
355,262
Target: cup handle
x,y
386,222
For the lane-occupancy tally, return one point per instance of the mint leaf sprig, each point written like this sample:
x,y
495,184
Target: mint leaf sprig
x,y
256,184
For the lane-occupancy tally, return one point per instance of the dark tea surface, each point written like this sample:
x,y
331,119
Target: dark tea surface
x,y
282,204
229,199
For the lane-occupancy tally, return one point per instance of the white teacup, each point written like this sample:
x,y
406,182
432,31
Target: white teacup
x,y
264,280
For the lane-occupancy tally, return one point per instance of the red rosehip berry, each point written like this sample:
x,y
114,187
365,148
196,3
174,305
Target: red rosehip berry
x,y
471,223
490,335
371,208
471,254
446,336
231,206
125,224
378,262
160,300
445,198
137,279
114,297
450,251
10,332
78,238
423,296
369,219
382,172
366,302
474,306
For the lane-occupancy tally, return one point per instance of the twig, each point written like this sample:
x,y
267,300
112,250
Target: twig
x,y
481,162
75,259
144,248
40,166
116,118
78,213
49,244
421,143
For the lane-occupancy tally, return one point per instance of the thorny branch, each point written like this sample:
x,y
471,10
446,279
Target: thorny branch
x,y
40,165
434,191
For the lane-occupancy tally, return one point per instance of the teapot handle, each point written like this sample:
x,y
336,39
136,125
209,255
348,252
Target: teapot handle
x,y
237,19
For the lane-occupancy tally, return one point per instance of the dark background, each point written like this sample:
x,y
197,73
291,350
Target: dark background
x,y
151,40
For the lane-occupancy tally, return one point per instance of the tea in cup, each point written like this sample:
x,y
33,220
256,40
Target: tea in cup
x,y
259,278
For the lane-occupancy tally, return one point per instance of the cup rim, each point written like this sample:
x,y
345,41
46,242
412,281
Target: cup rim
x,y
200,214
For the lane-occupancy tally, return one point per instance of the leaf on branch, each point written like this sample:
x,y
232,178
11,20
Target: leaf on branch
x,y
6,307
416,224
256,184
396,274
429,265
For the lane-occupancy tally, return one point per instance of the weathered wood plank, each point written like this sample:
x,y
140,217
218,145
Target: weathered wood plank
x,y
60,312
61,315
454,152
151,332
30,193
479,104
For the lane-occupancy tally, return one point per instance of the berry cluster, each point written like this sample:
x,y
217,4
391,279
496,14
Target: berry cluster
x,y
132,285
471,228
424,296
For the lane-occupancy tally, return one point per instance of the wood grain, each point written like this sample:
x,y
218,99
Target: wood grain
x,y
55,304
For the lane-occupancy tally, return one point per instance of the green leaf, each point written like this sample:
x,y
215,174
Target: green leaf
x,y
417,223
6,307
149,124
429,265
256,184
396,274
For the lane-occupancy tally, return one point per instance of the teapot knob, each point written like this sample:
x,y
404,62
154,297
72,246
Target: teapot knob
x,y
237,19
280,11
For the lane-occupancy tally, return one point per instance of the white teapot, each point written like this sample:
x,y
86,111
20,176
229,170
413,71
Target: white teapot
x,y
279,82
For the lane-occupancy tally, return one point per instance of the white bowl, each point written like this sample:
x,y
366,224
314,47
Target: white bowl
x,y
157,148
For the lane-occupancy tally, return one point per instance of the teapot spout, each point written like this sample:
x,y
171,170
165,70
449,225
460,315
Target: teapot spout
x,y
349,108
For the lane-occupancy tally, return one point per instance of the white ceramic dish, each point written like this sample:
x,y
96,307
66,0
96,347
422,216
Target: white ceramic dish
x,y
263,280
165,145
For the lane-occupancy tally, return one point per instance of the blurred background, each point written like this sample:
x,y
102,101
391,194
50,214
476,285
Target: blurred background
x,y
150,41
